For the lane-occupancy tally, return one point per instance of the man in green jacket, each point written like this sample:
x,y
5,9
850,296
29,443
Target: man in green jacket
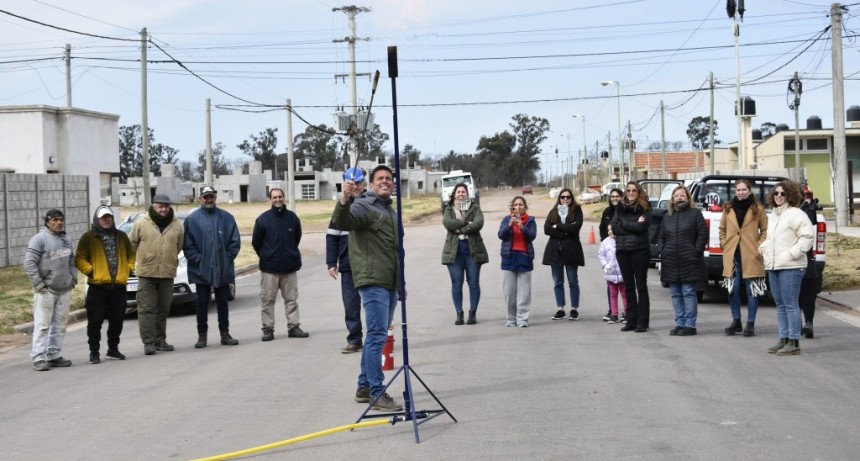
x,y
372,226
157,239
105,256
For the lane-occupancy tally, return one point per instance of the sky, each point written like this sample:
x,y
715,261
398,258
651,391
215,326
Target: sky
x,y
465,67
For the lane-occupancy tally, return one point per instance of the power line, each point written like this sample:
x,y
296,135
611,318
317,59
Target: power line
x,y
67,30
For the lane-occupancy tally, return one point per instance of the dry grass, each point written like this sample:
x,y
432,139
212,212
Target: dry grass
x,y
842,271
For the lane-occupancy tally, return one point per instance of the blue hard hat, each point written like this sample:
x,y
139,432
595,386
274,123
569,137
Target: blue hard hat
x,y
354,174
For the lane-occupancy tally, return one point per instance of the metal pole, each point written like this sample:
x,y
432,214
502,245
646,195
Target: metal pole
x,y
840,161
620,153
663,138
144,123
207,177
711,125
739,104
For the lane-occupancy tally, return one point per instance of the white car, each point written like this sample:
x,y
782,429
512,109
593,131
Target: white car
x,y
589,196
184,292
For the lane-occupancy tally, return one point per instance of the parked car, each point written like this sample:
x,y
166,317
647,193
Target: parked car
x,y
184,292
589,196
527,190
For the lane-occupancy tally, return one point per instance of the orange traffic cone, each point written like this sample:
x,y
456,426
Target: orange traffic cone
x,y
591,239
388,351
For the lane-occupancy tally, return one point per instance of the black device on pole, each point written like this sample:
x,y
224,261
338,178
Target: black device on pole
x,y
409,413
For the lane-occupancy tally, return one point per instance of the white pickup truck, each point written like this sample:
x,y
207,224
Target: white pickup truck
x,y
710,193
456,177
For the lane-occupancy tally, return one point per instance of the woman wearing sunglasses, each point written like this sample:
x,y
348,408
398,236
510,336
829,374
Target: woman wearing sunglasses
x,y
789,236
563,251
633,250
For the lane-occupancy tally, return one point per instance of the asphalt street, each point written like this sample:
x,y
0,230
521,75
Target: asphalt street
x,y
555,390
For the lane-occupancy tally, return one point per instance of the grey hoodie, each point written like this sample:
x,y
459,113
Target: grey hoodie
x,y
50,262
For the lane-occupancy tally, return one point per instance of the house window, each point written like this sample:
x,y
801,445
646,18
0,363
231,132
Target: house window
x,y
816,144
788,144
308,192
420,185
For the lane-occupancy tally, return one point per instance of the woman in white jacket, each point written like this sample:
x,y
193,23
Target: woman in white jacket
x,y
790,235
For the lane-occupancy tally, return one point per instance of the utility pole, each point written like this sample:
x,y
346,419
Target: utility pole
x,y
207,177
663,139
144,123
796,87
351,12
710,125
631,148
291,163
736,15
68,58
840,161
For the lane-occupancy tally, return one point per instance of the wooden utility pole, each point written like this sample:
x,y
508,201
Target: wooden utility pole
x,y
291,164
662,140
144,123
710,125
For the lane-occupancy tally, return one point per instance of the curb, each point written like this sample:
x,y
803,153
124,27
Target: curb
x,y
81,314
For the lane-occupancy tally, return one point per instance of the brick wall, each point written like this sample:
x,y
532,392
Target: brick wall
x,y
24,200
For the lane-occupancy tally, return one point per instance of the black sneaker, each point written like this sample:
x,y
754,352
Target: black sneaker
x,y
607,316
296,332
59,362
362,395
386,403
675,331
42,365
149,349
94,357
613,319
559,315
687,331
116,354
574,315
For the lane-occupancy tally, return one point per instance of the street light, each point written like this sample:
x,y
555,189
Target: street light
x,y
618,98
584,149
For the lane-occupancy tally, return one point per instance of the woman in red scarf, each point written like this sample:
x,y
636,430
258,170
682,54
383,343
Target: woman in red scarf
x,y
517,232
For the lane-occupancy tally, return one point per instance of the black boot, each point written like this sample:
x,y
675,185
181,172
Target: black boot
x,y
735,327
227,340
268,334
459,320
750,329
472,320
201,341
807,330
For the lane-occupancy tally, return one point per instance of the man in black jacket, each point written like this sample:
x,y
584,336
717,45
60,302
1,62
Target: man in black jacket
x,y
277,234
337,260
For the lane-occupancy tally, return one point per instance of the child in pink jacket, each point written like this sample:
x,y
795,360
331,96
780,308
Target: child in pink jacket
x,y
612,274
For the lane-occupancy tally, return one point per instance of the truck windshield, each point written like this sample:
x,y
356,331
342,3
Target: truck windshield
x,y
454,180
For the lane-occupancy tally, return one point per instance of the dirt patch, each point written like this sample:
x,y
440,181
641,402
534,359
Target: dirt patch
x,y
10,341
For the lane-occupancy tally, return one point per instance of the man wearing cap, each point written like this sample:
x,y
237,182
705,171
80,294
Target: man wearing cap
x,y
50,264
276,237
211,245
157,240
106,257
337,260
374,260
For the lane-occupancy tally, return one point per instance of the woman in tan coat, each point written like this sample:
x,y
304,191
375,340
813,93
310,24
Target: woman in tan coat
x,y
743,228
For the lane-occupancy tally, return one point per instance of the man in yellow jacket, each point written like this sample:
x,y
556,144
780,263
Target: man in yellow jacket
x,y
106,257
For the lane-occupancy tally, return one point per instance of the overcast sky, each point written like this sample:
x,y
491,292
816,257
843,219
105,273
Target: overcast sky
x,y
466,67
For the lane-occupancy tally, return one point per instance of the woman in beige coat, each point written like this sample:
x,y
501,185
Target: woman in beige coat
x,y
743,228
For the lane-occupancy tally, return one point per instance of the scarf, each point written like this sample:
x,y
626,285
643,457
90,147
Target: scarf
x,y
160,221
741,207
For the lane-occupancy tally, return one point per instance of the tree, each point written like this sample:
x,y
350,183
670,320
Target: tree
x,y
697,132
496,158
530,132
768,129
262,148
371,143
185,171
408,155
655,146
131,153
220,165
320,145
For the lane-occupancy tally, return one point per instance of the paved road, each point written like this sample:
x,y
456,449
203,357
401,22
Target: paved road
x,y
556,390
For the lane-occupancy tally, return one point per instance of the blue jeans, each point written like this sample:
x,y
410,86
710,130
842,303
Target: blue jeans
x,y
50,316
379,305
558,284
464,264
685,303
785,287
204,294
351,308
735,295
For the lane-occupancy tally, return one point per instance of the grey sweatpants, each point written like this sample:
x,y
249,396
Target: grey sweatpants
x,y
517,287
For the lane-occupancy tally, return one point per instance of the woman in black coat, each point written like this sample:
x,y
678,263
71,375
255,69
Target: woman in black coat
x,y
683,237
615,196
563,251
633,251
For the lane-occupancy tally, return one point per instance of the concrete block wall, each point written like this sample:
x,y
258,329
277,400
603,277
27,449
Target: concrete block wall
x,y
24,200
